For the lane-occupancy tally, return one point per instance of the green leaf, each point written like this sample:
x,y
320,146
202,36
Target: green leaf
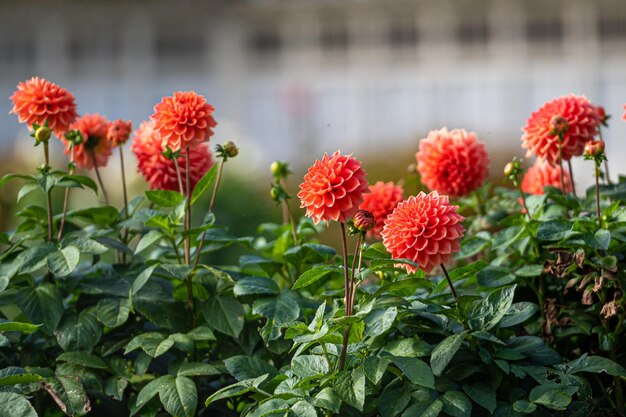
x,y
81,180
149,342
303,409
550,396
147,240
472,246
424,409
309,253
102,216
378,322
42,304
523,406
529,271
18,378
375,367
83,359
151,389
235,390
599,240
255,285
456,404
313,275
518,313
32,258
141,280
483,394
327,398
165,198
416,370
273,407
468,270
534,349
488,312
204,184
15,405
63,262
350,387
283,308
595,364
224,314
79,332
307,366
113,312
25,190
8,177
197,369
553,230
444,352
247,367
16,326
179,396
69,394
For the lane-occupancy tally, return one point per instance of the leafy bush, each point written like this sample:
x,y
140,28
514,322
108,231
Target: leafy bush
x,y
127,318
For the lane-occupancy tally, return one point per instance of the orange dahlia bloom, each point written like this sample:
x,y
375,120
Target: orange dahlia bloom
x,y
381,199
425,229
184,120
333,188
624,116
95,146
452,162
544,173
119,132
38,100
160,171
582,118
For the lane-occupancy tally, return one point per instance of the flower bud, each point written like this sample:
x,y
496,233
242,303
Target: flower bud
x,y
42,134
280,169
509,169
558,125
411,168
118,132
364,221
230,149
275,193
594,148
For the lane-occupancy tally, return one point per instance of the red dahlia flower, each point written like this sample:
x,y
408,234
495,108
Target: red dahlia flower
x,y
544,173
624,116
582,118
184,120
452,162
119,132
333,188
95,146
425,229
38,100
160,171
381,199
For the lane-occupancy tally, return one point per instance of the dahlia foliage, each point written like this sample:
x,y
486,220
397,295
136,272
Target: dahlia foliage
x,y
454,302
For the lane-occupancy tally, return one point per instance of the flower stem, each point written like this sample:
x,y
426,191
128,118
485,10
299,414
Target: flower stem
x,y
571,176
95,166
187,207
561,161
445,272
354,257
46,154
347,291
607,177
598,212
66,197
519,187
203,238
125,191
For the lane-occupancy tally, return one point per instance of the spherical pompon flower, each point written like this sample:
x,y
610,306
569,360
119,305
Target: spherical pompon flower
x,y
452,162
184,120
544,173
38,100
424,229
119,131
542,140
160,171
333,188
381,199
95,148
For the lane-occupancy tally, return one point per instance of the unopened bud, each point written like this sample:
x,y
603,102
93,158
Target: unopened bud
x,y
230,149
364,221
411,168
558,125
509,169
602,115
594,148
275,193
280,169
42,134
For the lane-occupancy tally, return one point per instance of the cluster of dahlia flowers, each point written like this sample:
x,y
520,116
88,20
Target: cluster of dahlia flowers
x,y
180,123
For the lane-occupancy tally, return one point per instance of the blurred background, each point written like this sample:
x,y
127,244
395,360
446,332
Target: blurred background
x,y
291,79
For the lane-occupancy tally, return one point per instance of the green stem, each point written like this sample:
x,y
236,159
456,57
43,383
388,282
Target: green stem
x,y
598,212
607,177
66,197
571,176
95,166
125,191
203,238
188,281
330,366
46,154
347,286
445,272
521,193
561,162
